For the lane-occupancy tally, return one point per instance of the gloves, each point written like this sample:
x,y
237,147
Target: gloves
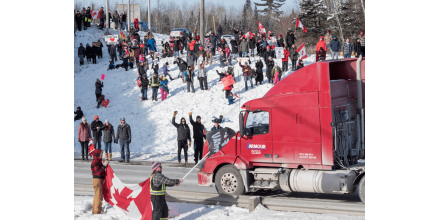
x,y
105,163
129,141
190,143
79,141
190,113
175,113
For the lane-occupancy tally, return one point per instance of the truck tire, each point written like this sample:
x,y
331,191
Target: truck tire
x,y
228,180
361,189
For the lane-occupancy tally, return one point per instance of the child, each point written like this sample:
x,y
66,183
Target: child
x,y
163,88
276,79
300,65
100,99
165,70
125,62
321,54
230,99
111,66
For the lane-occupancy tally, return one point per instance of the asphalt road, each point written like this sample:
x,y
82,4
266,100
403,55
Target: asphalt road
x,y
134,173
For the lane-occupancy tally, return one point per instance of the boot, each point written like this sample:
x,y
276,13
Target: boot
x,y
87,157
106,156
110,156
183,80
186,163
180,164
82,157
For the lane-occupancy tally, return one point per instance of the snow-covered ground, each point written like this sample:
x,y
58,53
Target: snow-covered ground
x,y
83,211
153,135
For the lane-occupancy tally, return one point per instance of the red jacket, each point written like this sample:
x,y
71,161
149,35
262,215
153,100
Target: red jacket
x,y
230,86
320,44
286,56
84,134
191,45
98,170
245,69
136,23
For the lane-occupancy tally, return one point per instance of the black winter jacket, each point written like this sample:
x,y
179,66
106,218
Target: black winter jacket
x,y
81,51
183,132
144,82
109,133
280,42
124,132
234,46
88,51
96,132
290,38
259,71
266,55
197,129
98,87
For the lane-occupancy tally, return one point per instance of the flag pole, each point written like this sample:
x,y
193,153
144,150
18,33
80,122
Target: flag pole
x,y
196,165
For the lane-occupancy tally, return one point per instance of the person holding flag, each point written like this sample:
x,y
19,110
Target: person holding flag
x,y
158,183
98,172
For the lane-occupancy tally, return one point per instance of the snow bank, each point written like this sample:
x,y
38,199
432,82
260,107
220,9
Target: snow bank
x,y
153,135
187,211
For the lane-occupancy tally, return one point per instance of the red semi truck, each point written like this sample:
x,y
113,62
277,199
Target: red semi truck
x,y
306,134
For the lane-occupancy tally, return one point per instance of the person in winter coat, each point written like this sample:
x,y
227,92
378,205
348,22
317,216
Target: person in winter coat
x,y
300,65
88,52
230,99
144,87
124,21
113,53
131,58
328,40
137,52
99,49
219,31
202,76
228,89
158,184
285,59
141,69
78,114
280,41
165,70
151,43
244,47
213,40
347,48
290,38
362,41
81,53
357,47
234,46
154,85
246,68
334,46
222,74
109,133
78,18
93,53
182,67
125,61
267,54
116,19
209,51
252,46
198,131
176,46
189,78
274,70
216,123
293,55
259,71
136,24
98,171
84,135
183,135
98,88
321,44
123,136
321,54
191,59
96,127
191,44
269,65
163,88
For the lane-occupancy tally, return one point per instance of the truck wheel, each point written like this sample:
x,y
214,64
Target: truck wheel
x,y
228,181
361,189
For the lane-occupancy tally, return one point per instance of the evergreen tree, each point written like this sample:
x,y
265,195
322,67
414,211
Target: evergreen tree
x,y
255,24
271,12
313,16
225,27
166,24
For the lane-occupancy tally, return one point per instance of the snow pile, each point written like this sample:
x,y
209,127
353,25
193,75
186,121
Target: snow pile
x,y
153,135
187,211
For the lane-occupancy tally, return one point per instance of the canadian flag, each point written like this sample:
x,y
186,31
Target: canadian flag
x,y
131,199
249,34
91,147
261,28
94,14
302,51
300,25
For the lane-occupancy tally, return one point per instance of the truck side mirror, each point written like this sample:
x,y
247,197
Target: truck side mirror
x,y
241,124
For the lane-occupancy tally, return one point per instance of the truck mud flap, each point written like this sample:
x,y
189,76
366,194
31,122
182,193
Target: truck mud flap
x,y
204,179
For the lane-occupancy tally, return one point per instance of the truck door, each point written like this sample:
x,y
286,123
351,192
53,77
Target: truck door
x,y
256,145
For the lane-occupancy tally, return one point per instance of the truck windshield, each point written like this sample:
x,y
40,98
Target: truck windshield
x,y
257,123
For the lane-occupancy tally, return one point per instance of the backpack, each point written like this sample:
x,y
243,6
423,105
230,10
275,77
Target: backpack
x,y
252,73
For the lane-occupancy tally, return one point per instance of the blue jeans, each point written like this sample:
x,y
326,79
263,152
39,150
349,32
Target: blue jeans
x,y
176,53
123,25
113,56
123,144
154,96
246,78
347,55
144,93
243,54
328,48
108,147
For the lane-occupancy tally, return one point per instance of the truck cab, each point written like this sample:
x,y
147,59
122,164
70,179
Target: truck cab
x,y
306,134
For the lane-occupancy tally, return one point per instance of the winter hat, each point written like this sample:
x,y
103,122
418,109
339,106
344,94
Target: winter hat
x,y
270,58
155,165
328,31
122,119
96,117
321,37
280,35
267,47
84,118
106,120
171,37
198,116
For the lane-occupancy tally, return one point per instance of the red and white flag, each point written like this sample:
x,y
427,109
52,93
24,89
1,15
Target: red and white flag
x,y
261,28
91,147
131,199
94,14
302,51
300,25
250,35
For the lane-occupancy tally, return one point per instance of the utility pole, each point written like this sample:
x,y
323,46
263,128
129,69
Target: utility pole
x,y
128,15
149,14
202,22
107,19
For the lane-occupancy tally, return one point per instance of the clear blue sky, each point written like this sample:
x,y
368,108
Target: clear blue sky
x,y
288,3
